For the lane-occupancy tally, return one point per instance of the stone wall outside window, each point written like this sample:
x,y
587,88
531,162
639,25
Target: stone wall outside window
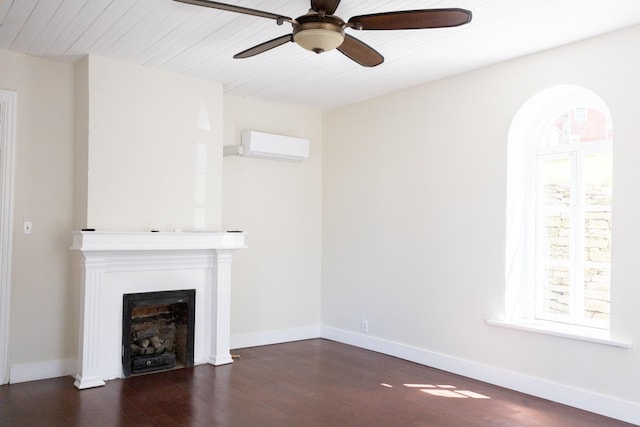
x,y
597,256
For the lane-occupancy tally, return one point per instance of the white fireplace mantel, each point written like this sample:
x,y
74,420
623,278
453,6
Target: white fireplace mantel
x,y
118,263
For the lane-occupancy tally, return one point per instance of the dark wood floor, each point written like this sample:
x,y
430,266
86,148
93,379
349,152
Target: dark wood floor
x,y
306,383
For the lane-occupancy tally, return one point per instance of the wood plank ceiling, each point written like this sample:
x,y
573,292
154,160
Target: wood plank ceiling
x,y
200,41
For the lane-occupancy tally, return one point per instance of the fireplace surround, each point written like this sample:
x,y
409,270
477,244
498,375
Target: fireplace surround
x,y
117,263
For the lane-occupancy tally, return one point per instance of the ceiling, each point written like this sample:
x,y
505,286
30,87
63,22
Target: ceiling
x,y
200,41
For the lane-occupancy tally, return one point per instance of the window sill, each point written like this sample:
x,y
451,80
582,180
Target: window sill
x,y
593,335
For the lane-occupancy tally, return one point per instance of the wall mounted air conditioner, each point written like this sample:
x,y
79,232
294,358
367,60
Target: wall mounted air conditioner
x,y
269,146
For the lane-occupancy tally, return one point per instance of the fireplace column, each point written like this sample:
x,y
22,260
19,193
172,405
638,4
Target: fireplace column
x,y
89,372
221,311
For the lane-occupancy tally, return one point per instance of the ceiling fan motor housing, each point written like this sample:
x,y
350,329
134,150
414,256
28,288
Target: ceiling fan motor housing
x,y
319,33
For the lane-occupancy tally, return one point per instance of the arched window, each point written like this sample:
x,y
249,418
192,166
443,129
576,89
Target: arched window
x,y
559,209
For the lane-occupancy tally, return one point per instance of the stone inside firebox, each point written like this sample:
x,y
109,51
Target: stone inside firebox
x,y
157,331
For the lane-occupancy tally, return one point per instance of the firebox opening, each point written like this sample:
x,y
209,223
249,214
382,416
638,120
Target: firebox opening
x,y
157,331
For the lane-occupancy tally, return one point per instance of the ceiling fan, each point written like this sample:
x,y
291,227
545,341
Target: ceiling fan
x,y
320,30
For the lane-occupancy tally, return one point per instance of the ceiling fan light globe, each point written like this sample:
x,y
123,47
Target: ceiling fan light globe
x,y
318,40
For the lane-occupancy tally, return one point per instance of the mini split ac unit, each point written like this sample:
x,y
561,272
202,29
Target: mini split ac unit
x,y
269,146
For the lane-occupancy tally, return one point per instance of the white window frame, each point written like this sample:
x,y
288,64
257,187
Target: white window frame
x,y
526,129
575,152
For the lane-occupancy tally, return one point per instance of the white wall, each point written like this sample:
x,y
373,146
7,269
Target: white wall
x,y
41,293
137,134
81,145
276,280
145,130
414,217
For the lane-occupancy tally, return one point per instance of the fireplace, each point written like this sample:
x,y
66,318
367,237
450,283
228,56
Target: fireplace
x,y
157,331
115,264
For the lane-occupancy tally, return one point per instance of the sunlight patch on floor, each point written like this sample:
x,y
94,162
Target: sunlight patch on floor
x,y
444,390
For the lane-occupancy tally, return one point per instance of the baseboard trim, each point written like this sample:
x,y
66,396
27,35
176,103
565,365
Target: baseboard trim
x,y
571,396
58,368
578,398
255,339
41,370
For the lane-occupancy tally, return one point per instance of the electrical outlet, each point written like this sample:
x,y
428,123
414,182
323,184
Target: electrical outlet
x,y
27,227
364,326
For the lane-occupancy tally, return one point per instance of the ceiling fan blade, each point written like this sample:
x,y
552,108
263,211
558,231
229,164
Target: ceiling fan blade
x,y
412,19
360,52
263,47
329,6
237,9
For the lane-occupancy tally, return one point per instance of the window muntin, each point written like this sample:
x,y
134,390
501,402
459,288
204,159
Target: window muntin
x,y
573,219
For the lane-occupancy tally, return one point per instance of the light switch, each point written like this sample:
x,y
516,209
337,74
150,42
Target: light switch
x,y
27,227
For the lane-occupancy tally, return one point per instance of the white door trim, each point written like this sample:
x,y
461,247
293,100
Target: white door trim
x,y
8,108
